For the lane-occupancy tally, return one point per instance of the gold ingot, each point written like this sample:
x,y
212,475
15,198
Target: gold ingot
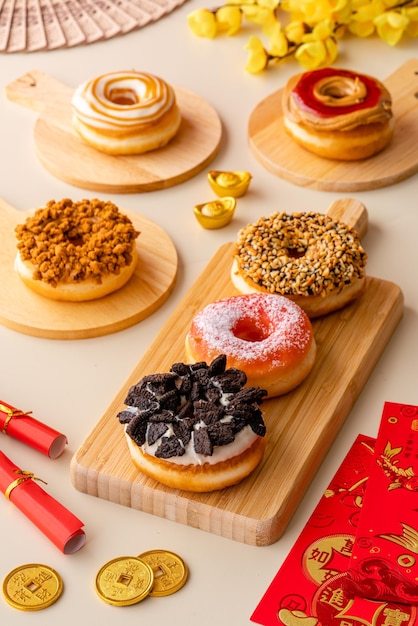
x,y
170,571
32,587
124,581
215,214
233,184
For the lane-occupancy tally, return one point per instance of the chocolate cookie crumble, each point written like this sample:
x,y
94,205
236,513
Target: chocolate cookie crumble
x,y
205,403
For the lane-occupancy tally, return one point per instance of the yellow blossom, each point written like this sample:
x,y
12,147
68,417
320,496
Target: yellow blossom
x,y
279,45
362,20
202,22
258,57
269,4
412,28
323,29
263,16
331,50
310,28
314,54
391,26
295,31
229,19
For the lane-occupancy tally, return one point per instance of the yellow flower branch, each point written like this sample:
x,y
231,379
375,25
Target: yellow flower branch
x,y
310,29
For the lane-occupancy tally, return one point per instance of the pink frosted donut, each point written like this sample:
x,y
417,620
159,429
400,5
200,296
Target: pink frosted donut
x,y
267,336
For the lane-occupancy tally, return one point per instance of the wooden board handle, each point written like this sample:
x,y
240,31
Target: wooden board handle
x,y
36,90
351,212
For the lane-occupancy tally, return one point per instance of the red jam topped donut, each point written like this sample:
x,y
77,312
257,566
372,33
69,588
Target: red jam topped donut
x,y
267,336
337,100
329,92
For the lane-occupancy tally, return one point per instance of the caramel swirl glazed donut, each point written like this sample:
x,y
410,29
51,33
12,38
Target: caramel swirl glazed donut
x,y
267,336
316,261
76,251
196,427
338,114
126,112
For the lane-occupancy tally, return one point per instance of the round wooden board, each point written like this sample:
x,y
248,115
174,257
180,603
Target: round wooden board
x,y
192,149
279,154
29,313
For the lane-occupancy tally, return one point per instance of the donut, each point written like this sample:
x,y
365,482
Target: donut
x,y
338,114
196,427
125,112
267,336
316,261
76,251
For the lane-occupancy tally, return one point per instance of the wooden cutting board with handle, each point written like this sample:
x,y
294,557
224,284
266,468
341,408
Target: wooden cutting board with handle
x,y
279,154
192,149
32,314
301,425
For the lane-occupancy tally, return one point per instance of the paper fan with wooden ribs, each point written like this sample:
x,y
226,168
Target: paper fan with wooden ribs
x,y
31,25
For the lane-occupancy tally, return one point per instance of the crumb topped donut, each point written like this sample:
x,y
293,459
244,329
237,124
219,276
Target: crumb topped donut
x,y
196,427
338,114
126,112
76,251
267,336
316,261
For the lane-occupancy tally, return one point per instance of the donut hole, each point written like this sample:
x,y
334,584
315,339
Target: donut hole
x,y
249,329
77,240
296,253
123,97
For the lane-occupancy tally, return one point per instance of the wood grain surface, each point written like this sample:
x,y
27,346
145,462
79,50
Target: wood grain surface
x,y
193,148
301,425
279,154
29,313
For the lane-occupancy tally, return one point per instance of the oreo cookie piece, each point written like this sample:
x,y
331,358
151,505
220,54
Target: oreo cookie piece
x,y
205,404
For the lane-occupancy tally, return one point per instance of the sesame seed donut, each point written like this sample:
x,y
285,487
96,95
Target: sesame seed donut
x,y
316,261
267,336
196,427
76,251
126,112
338,114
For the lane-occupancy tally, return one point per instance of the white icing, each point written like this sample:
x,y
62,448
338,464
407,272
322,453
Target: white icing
x,y
243,440
279,326
95,104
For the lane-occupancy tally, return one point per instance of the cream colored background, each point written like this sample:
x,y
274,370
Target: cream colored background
x,y
70,384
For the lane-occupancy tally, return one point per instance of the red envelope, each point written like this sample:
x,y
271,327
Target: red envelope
x,y
32,432
384,561
52,518
309,588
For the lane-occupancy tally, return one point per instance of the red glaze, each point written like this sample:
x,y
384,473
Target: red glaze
x,y
303,92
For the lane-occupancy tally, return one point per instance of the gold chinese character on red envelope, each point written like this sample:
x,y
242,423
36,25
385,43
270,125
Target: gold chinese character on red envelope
x,y
310,588
384,560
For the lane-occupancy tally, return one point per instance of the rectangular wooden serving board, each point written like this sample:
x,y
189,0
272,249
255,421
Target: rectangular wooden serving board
x,y
301,425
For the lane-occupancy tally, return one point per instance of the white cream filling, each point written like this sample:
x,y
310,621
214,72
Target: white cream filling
x,y
243,440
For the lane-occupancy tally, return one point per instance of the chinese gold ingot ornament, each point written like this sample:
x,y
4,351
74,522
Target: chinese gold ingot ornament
x,y
215,214
233,184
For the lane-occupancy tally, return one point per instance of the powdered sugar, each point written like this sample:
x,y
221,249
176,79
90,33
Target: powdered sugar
x,y
261,327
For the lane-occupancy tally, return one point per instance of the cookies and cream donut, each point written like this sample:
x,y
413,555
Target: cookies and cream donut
x,y
338,114
267,336
316,261
126,112
196,427
76,251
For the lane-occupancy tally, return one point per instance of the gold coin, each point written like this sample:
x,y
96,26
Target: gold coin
x,y
170,571
125,580
32,587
